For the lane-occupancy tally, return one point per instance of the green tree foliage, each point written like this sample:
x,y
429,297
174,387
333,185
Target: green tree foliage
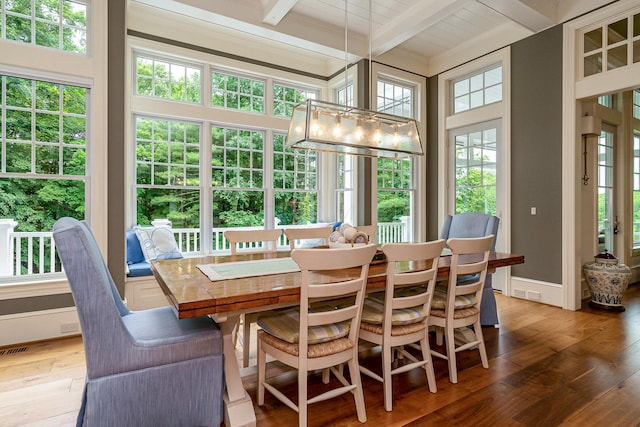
x,y
45,149
45,21
475,191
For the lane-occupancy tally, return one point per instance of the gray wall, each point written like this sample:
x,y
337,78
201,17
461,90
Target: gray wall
x,y
116,172
434,178
536,155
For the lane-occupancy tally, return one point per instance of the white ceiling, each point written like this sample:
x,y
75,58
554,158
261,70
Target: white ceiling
x,y
425,36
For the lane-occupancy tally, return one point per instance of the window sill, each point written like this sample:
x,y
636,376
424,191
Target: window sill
x,y
13,288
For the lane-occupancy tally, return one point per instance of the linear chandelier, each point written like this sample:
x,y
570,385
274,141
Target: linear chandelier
x,y
324,126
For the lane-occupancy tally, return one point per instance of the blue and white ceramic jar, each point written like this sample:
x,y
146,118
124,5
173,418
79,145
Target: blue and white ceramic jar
x,y
607,280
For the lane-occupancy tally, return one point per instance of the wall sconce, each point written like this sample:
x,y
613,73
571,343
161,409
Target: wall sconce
x,y
591,126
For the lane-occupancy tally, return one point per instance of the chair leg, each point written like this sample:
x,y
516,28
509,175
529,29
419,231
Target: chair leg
x,y
262,372
358,395
246,339
481,347
302,395
326,373
451,354
387,353
428,367
439,333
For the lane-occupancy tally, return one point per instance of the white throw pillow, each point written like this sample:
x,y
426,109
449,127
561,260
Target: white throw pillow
x,y
157,243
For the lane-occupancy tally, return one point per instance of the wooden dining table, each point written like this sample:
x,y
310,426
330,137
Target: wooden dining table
x,y
192,294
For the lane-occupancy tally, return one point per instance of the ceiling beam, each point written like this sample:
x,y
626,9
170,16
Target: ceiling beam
x,y
411,22
274,10
520,13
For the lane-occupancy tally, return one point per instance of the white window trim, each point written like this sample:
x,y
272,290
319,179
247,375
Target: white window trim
x,y
498,110
89,71
419,172
574,90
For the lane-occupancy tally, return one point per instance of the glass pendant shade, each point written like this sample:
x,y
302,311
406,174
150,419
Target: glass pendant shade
x,y
324,126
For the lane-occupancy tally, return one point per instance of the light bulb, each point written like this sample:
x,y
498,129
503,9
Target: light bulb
x,y
396,137
337,129
359,132
377,135
315,126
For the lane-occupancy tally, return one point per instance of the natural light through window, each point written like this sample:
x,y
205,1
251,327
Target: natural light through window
x,y
477,90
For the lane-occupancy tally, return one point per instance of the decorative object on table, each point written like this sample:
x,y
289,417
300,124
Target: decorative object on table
x,y
607,280
345,235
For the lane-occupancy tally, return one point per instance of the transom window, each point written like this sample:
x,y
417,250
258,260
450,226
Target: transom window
x,y
395,99
477,90
238,93
344,95
611,46
168,80
287,97
58,24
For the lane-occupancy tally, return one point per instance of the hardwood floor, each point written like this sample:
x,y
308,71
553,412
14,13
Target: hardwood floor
x,y
547,367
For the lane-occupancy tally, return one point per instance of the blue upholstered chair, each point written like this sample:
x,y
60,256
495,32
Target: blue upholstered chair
x,y
474,224
144,368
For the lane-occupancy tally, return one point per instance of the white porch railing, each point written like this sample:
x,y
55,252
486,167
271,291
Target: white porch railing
x,y
34,253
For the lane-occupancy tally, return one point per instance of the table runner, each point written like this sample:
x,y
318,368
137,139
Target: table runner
x,y
235,270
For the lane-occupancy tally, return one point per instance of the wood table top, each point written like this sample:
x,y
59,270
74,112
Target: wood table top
x,y
193,294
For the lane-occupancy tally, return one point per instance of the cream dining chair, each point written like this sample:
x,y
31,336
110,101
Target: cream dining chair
x,y
319,336
297,235
398,316
269,241
268,238
458,305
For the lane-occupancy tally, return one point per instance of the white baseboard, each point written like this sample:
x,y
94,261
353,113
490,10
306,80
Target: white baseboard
x,y
38,325
535,290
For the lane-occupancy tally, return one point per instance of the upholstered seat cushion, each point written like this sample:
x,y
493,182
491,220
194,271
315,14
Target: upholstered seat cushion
x,y
285,325
373,312
439,301
139,269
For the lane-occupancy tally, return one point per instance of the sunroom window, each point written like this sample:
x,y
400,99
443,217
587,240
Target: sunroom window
x,y
286,97
236,92
58,24
168,80
396,188
43,173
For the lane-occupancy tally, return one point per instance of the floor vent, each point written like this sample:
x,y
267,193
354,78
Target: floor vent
x,y
13,351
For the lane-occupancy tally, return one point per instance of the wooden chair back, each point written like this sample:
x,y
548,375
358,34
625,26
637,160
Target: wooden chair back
x,y
296,234
268,238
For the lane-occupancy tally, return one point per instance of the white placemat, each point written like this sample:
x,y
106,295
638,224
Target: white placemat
x,y
235,270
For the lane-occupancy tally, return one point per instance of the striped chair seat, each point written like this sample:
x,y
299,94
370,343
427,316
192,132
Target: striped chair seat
x,y
285,325
439,301
373,312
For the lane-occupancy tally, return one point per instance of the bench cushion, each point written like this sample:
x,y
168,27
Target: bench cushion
x,y
139,269
134,250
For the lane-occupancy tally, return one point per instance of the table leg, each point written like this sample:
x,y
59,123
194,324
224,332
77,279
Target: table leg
x,y
238,407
